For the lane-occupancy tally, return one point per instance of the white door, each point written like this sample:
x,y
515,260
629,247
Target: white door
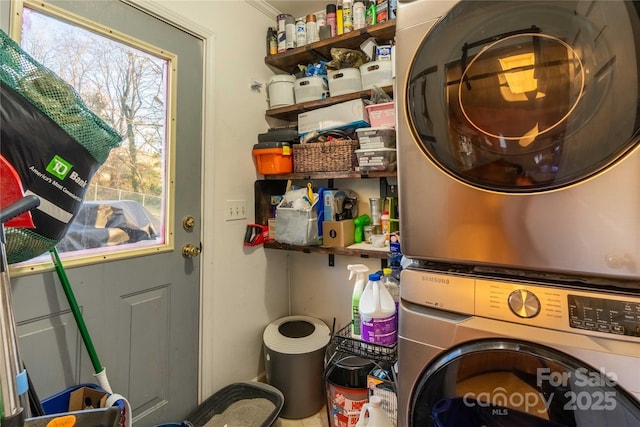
x,y
142,312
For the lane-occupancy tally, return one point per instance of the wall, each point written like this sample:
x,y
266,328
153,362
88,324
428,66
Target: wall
x,y
249,287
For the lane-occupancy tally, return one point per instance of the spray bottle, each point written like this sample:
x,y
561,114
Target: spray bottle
x,y
360,271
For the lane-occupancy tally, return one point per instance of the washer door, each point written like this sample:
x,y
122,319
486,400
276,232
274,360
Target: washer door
x,y
513,383
527,96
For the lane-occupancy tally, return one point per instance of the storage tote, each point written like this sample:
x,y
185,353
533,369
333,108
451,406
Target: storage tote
x,y
343,81
297,226
382,115
376,73
273,158
311,88
330,156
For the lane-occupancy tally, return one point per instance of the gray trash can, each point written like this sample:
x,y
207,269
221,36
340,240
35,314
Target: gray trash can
x,y
294,349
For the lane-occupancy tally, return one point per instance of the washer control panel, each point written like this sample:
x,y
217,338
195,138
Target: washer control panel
x,y
604,315
560,308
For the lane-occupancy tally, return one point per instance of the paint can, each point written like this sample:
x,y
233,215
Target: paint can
x,y
347,388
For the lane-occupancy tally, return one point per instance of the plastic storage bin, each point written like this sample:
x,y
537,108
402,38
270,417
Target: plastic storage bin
x,y
280,89
373,138
273,158
382,115
376,73
381,159
311,89
57,405
343,81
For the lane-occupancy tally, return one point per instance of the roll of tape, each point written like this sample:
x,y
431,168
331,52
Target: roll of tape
x,y
296,335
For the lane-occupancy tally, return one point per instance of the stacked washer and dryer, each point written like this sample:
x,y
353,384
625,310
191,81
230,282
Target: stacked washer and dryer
x,y
519,177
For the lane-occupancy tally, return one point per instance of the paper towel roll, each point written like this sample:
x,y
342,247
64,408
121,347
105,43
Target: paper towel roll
x,y
296,335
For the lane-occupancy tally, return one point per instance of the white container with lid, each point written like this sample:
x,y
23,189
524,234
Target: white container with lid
x,y
376,73
280,89
311,88
345,80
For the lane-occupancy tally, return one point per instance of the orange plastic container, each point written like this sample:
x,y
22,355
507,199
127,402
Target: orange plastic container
x,y
273,158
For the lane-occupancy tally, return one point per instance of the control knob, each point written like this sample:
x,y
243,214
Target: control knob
x,y
524,303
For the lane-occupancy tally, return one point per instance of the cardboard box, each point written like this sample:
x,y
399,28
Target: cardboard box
x,y
87,398
338,233
343,115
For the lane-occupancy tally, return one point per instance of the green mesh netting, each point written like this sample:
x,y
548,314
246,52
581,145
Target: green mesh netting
x,y
56,99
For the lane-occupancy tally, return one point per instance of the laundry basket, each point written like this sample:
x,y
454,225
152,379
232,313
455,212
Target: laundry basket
x,y
249,404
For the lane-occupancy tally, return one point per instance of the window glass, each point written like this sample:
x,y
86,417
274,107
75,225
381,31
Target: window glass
x,y
127,84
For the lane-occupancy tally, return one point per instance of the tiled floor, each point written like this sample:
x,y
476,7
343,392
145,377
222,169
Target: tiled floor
x,y
316,420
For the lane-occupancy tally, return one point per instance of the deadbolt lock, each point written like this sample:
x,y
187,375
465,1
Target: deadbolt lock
x,y
190,251
188,223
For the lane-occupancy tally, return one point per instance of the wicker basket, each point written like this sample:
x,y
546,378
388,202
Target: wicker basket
x,y
331,156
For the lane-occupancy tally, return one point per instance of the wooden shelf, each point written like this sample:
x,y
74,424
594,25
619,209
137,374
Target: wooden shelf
x,y
290,112
332,175
362,253
321,50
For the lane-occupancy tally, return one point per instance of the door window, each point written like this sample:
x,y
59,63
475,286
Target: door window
x,y
507,382
527,96
127,83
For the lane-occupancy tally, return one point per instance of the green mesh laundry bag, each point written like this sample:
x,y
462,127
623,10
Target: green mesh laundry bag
x,y
52,143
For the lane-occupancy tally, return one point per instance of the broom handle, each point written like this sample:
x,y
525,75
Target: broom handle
x,y
77,314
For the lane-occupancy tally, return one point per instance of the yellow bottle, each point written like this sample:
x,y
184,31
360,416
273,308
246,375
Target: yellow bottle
x,y
385,224
339,19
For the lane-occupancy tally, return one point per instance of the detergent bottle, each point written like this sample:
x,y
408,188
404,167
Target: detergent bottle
x,y
360,271
393,286
377,416
378,324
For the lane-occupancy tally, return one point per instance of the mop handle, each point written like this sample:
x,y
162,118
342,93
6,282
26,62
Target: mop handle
x,y
77,314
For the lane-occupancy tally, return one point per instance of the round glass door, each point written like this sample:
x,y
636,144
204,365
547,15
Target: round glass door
x,y
495,383
527,96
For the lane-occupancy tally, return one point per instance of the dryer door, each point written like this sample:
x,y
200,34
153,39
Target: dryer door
x,y
498,382
527,96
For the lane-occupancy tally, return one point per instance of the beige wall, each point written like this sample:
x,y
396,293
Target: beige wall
x,y
245,289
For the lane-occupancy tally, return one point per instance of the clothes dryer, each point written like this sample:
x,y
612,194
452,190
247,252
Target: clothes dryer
x,y
518,135
486,351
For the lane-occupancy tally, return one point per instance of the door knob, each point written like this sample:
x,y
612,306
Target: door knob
x,y
190,251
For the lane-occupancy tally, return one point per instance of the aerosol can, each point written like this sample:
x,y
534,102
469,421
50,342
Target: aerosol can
x,y
360,271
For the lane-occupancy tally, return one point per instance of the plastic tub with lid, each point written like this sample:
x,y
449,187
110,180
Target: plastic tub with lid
x,y
280,88
273,158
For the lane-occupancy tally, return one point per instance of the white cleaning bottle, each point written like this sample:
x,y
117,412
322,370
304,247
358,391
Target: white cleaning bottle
x,y
393,286
377,416
360,272
378,314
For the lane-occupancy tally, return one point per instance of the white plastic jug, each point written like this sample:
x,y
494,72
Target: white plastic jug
x,y
377,416
378,323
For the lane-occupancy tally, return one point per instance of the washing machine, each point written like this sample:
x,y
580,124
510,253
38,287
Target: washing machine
x,y
487,351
